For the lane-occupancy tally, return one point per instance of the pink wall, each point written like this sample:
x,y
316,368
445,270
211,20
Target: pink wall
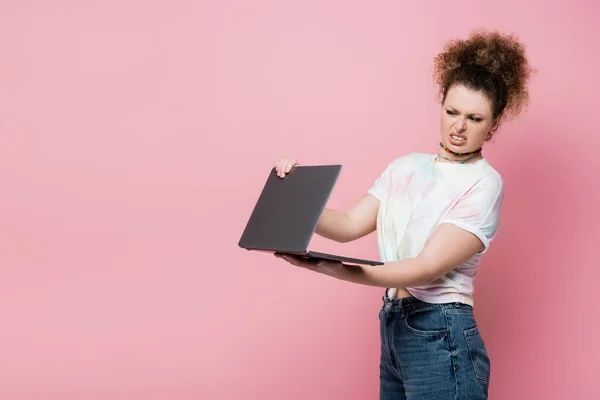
x,y
134,140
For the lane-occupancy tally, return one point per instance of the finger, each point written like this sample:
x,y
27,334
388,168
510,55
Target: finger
x,y
289,165
291,258
286,257
297,261
282,256
280,168
284,167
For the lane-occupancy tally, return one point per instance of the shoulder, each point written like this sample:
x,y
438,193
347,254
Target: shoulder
x,y
488,190
491,178
410,160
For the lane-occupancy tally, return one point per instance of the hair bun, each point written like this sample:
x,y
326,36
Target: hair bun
x,y
501,55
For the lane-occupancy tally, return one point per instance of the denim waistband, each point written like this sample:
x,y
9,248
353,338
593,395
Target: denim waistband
x,y
412,303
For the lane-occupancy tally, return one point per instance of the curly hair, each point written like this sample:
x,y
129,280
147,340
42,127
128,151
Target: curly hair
x,y
490,62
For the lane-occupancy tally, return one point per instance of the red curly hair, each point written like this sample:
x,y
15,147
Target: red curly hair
x,y
489,62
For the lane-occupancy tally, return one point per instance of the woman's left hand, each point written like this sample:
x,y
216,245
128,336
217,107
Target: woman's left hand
x,y
326,267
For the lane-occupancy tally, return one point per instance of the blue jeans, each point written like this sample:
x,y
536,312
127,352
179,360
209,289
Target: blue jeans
x,y
431,351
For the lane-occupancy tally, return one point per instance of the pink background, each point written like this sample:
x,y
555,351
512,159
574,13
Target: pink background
x,y
135,137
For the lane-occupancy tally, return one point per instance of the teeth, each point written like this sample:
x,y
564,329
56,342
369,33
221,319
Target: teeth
x,y
457,138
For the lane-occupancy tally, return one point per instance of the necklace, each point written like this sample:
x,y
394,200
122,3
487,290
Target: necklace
x,y
459,161
459,154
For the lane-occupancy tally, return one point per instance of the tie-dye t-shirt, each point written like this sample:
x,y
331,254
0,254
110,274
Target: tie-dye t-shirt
x,y
417,194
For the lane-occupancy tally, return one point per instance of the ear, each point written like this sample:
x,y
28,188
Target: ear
x,y
496,124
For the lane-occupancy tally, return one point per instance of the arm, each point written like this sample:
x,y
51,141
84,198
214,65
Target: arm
x,y
337,225
448,247
466,230
354,223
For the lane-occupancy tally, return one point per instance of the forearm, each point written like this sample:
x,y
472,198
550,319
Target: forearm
x,y
448,247
398,274
335,225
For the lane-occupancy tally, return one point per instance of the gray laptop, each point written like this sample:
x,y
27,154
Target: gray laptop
x,y
286,214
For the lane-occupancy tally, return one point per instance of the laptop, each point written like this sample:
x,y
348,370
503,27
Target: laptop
x,y
288,209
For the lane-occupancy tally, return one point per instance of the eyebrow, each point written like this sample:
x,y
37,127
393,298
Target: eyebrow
x,y
470,114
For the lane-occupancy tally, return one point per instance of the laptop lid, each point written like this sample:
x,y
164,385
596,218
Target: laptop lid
x,y
288,209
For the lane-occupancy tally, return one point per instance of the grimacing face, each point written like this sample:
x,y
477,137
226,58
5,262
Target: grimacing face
x,y
466,119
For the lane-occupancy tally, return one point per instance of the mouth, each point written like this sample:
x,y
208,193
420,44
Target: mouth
x,y
457,138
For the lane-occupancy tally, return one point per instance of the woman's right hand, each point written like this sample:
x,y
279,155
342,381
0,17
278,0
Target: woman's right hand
x,y
284,166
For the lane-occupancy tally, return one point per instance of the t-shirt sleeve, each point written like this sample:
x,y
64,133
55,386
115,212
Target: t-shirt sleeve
x,y
478,211
383,185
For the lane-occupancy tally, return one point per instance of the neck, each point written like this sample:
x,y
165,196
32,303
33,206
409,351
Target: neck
x,y
454,153
461,158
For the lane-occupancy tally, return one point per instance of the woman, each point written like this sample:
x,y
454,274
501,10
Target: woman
x,y
435,216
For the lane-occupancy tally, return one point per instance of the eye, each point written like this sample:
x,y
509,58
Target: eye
x,y
450,112
475,119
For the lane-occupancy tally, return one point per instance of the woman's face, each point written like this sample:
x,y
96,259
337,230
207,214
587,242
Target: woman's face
x,y
466,119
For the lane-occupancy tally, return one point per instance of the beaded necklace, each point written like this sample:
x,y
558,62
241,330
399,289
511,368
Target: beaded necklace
x,y
459,154
459,161
473,154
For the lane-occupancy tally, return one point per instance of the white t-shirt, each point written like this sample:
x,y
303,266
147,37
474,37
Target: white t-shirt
x,y
417,194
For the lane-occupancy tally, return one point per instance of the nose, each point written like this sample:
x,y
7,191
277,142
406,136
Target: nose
x,y
461,125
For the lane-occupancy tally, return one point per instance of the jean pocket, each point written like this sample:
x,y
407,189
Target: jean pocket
x,y
478,354
428,322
